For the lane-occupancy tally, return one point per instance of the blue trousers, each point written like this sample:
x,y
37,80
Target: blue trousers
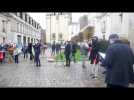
x,y
16,59
37,59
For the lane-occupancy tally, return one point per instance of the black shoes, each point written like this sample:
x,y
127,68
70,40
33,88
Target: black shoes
x,y
38,65
67,65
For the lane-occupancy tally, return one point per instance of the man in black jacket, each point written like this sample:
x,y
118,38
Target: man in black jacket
x,y
37,49
74,50
118,63
67,53
30,50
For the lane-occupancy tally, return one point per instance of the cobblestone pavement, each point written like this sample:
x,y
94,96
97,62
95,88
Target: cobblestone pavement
x,y
26,74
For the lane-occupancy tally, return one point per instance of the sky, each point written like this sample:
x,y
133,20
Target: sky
x,y
40,17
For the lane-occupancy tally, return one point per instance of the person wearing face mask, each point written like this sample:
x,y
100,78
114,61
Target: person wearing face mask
x,y
118,62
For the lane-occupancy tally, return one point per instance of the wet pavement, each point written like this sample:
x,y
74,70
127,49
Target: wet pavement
x,y
50,74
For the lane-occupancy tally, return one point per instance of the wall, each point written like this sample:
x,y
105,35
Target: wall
x,y
57,27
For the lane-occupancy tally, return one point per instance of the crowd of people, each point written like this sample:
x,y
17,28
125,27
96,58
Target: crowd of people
x,y
34,51
9,52
56,48
118,62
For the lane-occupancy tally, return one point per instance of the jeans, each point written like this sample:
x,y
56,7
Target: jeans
x,y
31,56
73,55
37,60
25,55
68,60
16,59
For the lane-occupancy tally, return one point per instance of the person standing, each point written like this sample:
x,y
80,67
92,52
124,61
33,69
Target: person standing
x,y
37,48
25,51
57,48
10,51
44,48
53,48
118,62
84,50
30,50
16,54
74,49
94,56
68,53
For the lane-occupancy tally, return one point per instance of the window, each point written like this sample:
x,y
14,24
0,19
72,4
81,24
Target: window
x,y
26,17
19,39
53,36
17,27
15,14
29,20
32,40
37,26
4,26
121,16
103,27
21,15
24,40
60,36
18,14
32,22
20,28
28,40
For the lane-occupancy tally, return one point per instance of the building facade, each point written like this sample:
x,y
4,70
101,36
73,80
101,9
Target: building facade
x,y
43,36
109,23
74,29
83,21
57,27
19,28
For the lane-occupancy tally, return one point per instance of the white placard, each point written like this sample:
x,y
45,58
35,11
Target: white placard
x,y
103,55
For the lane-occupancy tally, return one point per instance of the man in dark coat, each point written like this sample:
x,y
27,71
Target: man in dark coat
x,y
67,53
37,49
57,48
30,50
94,52
118,63
74,49
53,48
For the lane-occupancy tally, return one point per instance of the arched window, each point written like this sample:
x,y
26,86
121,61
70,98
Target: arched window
x,y
121,17
60,36
53,36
